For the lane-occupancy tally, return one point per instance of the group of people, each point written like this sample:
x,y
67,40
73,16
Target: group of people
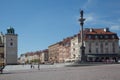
x,y
32,66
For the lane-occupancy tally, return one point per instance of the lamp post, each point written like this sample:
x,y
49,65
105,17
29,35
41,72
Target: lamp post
x,y
83,58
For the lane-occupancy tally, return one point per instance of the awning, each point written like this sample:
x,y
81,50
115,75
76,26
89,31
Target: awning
x,y
103,55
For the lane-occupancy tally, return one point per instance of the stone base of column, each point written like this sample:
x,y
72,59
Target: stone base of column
x,y
83,57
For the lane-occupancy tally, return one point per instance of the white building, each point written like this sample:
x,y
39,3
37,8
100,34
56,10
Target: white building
x,y
100,45
75,47
10,46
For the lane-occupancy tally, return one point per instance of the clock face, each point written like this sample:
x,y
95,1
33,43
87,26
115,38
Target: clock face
x,y
11,42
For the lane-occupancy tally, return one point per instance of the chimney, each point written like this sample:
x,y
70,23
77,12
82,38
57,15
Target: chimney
x,y
106,29
91,30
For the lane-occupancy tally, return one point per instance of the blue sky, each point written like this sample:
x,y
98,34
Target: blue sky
x,y
40,23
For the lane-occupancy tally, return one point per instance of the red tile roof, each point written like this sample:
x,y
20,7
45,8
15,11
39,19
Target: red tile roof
x,y
99,31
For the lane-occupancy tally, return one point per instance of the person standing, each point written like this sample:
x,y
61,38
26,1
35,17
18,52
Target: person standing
x,y
38,66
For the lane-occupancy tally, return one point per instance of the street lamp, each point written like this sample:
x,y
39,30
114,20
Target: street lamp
x,y
83,58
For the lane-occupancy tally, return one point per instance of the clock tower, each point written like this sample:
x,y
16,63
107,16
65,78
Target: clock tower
x,y
10,46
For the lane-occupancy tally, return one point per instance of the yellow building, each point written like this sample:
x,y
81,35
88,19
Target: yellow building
x,y
1,50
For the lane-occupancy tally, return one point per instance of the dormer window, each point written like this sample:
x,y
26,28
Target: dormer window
x,y
96,36
101,36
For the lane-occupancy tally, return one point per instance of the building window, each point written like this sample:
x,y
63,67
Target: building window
x,y
1,56
96,43
106,37
73,49
89,47
74,55
106,50
101,47
73,44
113,45
113,36
96,36
101,36
66,44
89,50
106,43
96,50
89,36
11,44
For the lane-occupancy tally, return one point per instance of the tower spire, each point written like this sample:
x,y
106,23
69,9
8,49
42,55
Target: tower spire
x,y
10,30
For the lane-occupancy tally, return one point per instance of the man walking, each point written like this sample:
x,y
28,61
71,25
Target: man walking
x,y
38,66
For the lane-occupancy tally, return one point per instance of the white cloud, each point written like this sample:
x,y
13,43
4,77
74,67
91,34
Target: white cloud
x,y
87,4
94,20
89,18
115,27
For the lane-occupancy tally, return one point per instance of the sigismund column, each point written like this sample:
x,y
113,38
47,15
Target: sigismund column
x,y
82,51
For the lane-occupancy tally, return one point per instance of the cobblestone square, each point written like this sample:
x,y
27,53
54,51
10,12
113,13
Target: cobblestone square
x,y
101,72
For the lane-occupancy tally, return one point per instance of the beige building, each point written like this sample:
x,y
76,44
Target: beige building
x,y
22,59
64,53
100,45
60,52
35,57
1,49
44,56
28,57
54,52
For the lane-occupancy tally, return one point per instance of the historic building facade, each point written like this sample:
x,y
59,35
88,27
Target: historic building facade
x,y
44,56
34,57
54,52
9,46
1,48
64,53
75,47
60,51
100,45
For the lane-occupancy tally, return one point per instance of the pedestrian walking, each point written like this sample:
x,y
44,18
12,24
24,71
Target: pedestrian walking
x,y
32,65
38,66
